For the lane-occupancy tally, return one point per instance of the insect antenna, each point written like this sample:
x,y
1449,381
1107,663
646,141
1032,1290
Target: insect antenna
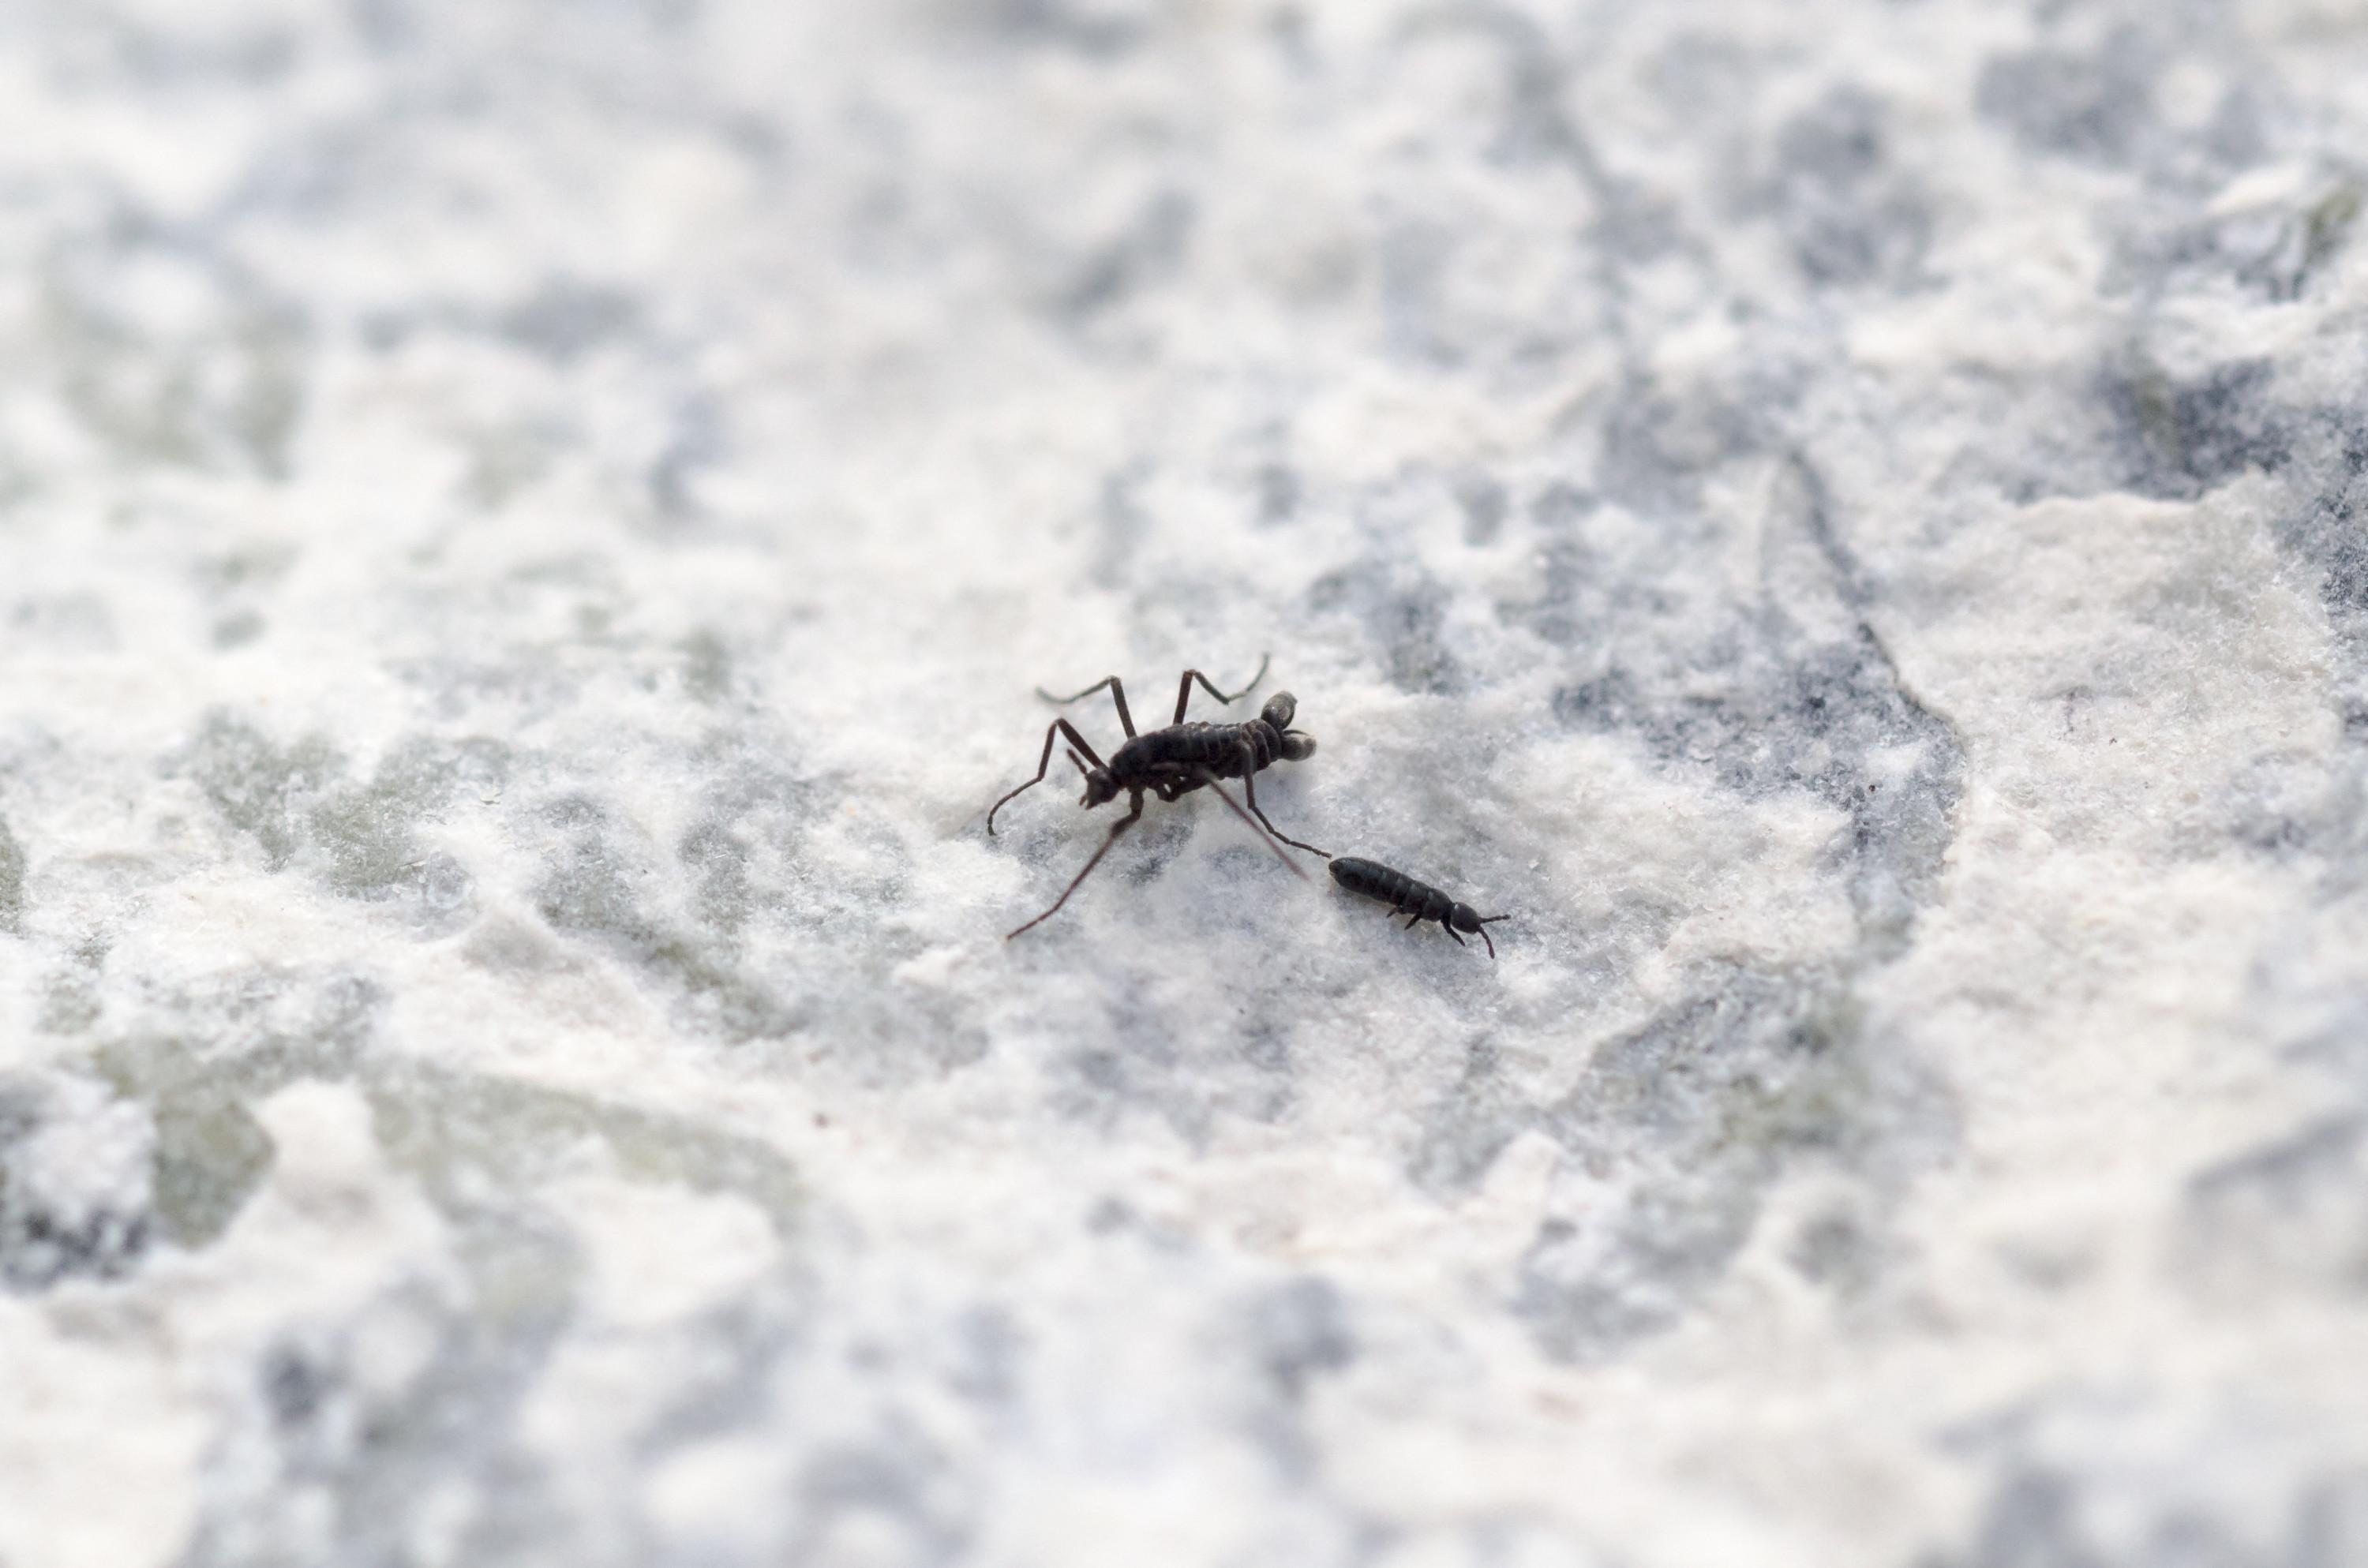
x,y
1490,920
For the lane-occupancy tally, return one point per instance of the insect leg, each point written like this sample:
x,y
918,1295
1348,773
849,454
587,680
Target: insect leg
x,y
1184,688
1250,792
1118,827
1118,695
1491,920
1451,931
1059,727
1413,920
1211,780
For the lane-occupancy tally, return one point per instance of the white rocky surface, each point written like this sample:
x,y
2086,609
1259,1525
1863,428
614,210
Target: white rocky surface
x,y
527,532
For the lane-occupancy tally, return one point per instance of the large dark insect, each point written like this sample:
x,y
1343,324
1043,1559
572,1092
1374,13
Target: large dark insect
x,y
1173,762
1404,895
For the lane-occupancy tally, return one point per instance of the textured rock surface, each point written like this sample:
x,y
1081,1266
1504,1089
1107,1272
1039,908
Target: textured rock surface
x,y
526,534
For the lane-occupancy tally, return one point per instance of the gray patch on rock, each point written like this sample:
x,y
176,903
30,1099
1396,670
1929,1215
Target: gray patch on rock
x,y
260,787
12,881
566,318
2293,1211
1150,249
1120,525
896,1492
2273,251
1702,1108
990,1350
237,629
289,799
225,389
369,832
440,1445
70,1001
62,623
1811,701
706,667
2039,1514
1277,495
1851,219
1470,1126
1536,123
1299,1331
1099,31
1485,504
56,1225
1403,611
1231,1066
455,1129
1659,446
2331,532
589,890
2094,107
2183,436
232,1042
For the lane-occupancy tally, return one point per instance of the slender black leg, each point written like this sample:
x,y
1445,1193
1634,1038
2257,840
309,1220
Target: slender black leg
x,y
1128,821
1118,695
1491,920
1211,780
1413,920
1250,792
1059,727
1184,688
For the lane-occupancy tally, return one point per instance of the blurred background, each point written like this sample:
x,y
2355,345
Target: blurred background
x,y
528,534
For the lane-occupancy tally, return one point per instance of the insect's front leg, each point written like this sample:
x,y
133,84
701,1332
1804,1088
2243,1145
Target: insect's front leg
x,y
1059,727
1122,823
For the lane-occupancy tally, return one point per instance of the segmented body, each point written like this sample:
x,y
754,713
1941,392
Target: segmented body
x,y
1393,886
1406,896
1181,758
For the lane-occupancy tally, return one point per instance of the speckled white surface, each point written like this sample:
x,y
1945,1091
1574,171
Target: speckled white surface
x,y
527,533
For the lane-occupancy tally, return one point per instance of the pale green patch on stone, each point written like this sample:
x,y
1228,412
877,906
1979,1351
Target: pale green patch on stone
x,y
448,1128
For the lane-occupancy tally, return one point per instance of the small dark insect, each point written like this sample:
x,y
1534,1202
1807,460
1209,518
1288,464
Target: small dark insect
x,y
1404,895
1174,762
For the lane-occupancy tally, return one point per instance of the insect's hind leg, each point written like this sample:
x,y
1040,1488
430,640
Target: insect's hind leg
x,y
1219,790
1118,827
1184,686
1059,727
1250,792
1118,695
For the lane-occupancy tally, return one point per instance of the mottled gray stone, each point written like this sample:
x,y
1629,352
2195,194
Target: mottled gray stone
x,y
525,544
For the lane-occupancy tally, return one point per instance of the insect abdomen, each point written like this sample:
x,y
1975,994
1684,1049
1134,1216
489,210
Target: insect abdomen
x,y
1372,879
